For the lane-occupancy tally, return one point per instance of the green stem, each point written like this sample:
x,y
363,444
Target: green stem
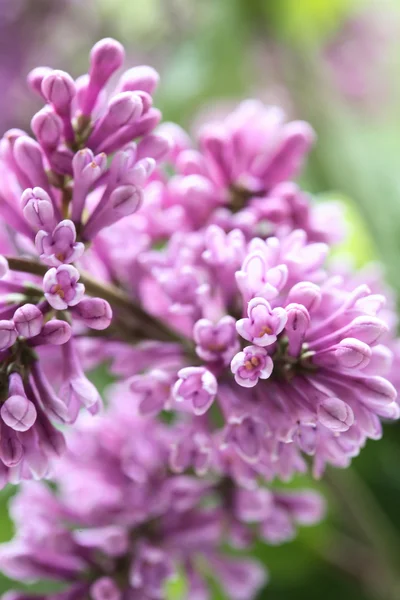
x,y
118,299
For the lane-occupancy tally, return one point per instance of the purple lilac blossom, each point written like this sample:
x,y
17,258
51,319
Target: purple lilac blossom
x,y
136,523
199,274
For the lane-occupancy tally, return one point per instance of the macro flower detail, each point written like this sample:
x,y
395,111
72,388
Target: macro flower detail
x,y
194,274
61,287
196,385
60,246
251,365
216,341
263,324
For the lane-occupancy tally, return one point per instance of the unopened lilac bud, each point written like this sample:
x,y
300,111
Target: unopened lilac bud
x,y
298,321
139,78
35,79
28,320
124,109
126,199
47,127
11,449
58,88
105,588
376,390
367,329
105,58
306,293
298,137
55,332
335,414
8,334
19,413
96,313
153,146
353,354
147,101
37,208
61,160
29,157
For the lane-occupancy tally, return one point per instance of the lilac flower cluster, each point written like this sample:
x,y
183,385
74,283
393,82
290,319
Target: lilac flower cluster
x,y
135,522
198,272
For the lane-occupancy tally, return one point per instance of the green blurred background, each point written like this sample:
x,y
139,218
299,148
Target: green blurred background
x,y
333,63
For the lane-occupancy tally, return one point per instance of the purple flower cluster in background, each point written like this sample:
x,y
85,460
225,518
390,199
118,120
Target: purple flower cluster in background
x,y
198,272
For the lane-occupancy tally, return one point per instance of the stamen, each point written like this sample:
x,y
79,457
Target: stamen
x,y
265,330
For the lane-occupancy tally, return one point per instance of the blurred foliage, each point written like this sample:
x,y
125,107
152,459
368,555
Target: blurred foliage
x,y
218,51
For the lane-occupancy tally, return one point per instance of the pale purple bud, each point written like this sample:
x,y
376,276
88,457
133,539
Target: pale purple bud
x,y
54,332
76,388
37,208
297,139
306,293
8,334
96,313
28,320
263,324
198,386
250,365
105,588
123,110
19,413
153,146
87,166
58,88
124,136
28,155
87,169
335,414
367,329
147,101
105,58
11,449
353,354
61,287
126,199
61,160
47,127
216,146
350,353
53,406
379,394
139,78
298,321
35,78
